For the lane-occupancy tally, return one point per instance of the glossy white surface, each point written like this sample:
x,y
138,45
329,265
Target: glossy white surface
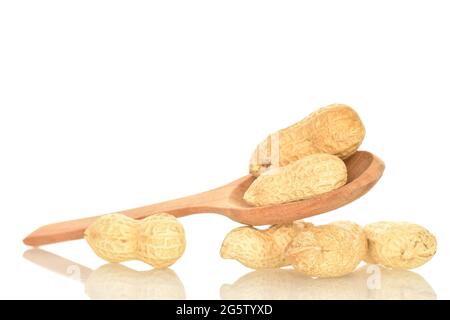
x,y
109,105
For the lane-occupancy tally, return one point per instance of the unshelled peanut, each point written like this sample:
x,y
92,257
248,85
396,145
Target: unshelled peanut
x,y
331,250
158,240
335,129
251,247
305,178
259,249
400,245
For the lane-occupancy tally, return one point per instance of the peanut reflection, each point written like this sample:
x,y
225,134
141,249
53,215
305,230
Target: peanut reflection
x,y
368,282
112,280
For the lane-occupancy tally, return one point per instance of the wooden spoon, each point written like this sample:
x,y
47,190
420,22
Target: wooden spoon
x,y
364,170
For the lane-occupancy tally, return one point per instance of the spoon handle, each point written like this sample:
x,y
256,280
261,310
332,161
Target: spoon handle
x,y
213,201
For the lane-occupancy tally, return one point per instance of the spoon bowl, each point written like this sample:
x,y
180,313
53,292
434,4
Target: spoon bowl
x,y
363,171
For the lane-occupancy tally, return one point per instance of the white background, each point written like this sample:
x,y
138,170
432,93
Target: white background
x,y
108,105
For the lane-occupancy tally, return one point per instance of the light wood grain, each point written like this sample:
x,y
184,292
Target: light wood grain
x,y
364,170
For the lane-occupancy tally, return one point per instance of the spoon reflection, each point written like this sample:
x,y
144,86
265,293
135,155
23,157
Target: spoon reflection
x,y
112,280
368,282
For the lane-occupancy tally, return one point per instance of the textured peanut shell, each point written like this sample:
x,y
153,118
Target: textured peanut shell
x,y
113,237
282,235
251,247
115,281
258,249
331,250
359,236
161,240
303,179
400,245
335,129
158,240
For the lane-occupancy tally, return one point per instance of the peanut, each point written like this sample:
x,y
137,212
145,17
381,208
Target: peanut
x,y
305,178
251,247
282,235
158,240
399,244
331,250
259,249
335,129
115,281
113,237
161,240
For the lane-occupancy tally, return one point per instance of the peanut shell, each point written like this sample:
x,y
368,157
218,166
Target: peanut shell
x,y
399,244
303,179
252,247
335,129
158,240
113,237
331,250
161,240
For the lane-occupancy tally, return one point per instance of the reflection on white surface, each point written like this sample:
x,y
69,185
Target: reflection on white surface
x,y
112,280
115,281
369,282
